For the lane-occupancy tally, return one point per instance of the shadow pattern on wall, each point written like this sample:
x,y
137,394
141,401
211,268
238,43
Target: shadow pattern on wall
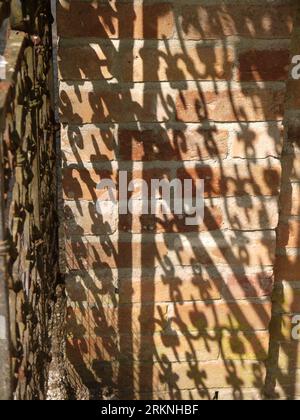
x,y
158,309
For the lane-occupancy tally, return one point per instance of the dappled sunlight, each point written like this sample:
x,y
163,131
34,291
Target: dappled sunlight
x,y
158,309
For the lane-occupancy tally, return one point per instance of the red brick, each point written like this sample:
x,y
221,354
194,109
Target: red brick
x,y
144,63
287,268
293,98
169,223
192,143
246,214
142,319
242,286
172,346
245,346
115,20
86,62
264,65
90,253
289,234
139,348
198,381
258,141
81,183
250,213
206,63
100,103
91,348
236,180
88,144
183,285
249,103
248,20
181,317
243,316
217,375
195,300
84,219
290,199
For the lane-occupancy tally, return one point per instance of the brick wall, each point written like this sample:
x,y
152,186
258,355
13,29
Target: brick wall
x,y
191,89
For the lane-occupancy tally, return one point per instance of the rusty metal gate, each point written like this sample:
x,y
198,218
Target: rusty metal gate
x,y
28,219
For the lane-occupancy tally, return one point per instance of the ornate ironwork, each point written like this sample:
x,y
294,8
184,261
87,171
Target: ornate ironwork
x,y
28,164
